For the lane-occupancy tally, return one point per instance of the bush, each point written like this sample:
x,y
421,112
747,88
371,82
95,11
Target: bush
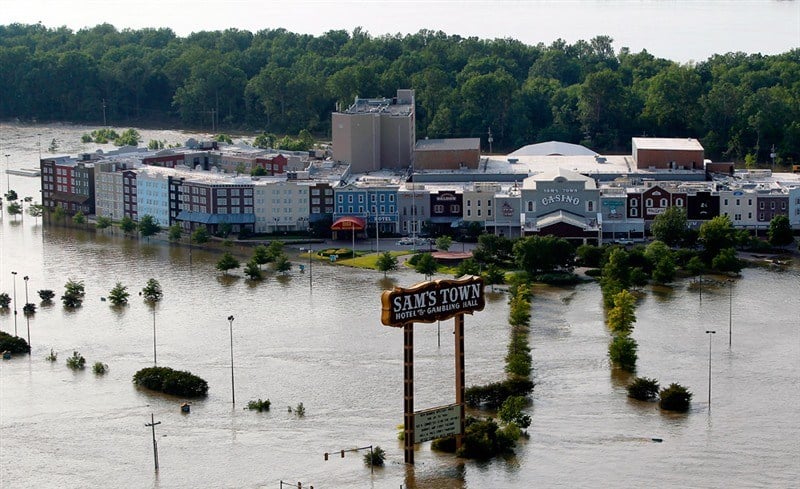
x,y
169,381
675,398
483,439
99,368
493,395
76,361
259,405
52,357
643,389
622,352
13,344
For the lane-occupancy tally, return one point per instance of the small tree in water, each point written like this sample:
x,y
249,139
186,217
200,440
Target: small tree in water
x,y
152,292
119,295
386,262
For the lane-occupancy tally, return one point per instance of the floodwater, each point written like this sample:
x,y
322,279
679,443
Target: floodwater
x,y
320,342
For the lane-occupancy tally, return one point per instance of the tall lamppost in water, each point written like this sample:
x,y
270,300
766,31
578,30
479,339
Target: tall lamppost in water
x,y
233,391
14,274
8,178
709,333
730,313
25,308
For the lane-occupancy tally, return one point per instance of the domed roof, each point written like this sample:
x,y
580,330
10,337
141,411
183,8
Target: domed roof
x,y
553,148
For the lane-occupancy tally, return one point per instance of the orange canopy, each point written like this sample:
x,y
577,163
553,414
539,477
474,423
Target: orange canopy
x,y
348,223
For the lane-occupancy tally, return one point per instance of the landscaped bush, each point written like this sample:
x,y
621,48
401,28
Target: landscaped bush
x,y
259,405
169,381
375,457
643,389
99,368
13,344
622,352
675,398
483,439
492,396
76,361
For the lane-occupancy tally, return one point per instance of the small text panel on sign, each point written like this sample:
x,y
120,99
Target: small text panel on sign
x,y
440,422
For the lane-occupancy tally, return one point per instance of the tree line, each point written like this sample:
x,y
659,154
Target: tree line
x,y
277,81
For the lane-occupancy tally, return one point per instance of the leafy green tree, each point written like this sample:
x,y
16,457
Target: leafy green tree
x,y
468,267
14,209
79,218
542,254
715,235
780,231
376,457
169,381
227,262
36,211
695,266
670,227
252,270
200,235
387,262
665,270
622,351
74,292
589,255
5,300
127,225
282,263
11,195
46,295
152,292
174,233
119,295
727,261
622,316
426,265
13,344
675,398
643,389
102,222
148,226
129,137
511,412
444,242
59,213
494,275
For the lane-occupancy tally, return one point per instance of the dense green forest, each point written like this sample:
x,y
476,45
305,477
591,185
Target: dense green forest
x,y
280,82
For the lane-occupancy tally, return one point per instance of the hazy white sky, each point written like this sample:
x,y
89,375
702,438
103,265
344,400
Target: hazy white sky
x,y
682,30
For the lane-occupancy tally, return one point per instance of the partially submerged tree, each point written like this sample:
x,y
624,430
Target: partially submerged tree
x,y
387,262
227,262
73,294
152,292
119,295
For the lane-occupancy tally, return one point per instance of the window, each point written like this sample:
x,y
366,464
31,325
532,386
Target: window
x,y
360,198
455,209
383,209
663,203
479,213
469,212
391,209
634,202
679,202
760,216
438,209
340,199
737,217
772,205
648,203
489,212
634,212
341,209
589,206
469,203
783,206
391,197
725,202
761,205
488,203
749,201
530,206
749,215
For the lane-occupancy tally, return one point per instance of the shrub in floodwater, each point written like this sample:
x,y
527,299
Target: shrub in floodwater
x,y
169,381
483,439
76,361
99,368
675,398
622,351
492,396
52,357
375,457
13,344
300,410
643,389
259,405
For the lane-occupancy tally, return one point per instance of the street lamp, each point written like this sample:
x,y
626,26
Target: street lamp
x,y
15,302
709,333
730,313
8,180
27,316
233,391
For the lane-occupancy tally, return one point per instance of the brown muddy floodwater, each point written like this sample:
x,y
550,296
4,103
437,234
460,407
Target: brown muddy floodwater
x,y
325,347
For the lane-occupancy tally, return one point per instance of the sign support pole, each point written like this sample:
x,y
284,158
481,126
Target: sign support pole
x,y
459,334
408,391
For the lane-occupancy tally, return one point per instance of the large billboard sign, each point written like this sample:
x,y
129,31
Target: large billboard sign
x,y
432,301
436,423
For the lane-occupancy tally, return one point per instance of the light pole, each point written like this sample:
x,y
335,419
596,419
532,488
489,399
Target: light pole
x,y
310,283
27,316
730,313
8,179
14,274
233,391
709,333
155,358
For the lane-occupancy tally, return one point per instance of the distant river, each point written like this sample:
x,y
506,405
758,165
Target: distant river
x,y
324,346
681,30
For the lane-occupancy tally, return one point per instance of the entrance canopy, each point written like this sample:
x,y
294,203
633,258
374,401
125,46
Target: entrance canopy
x,y
348,223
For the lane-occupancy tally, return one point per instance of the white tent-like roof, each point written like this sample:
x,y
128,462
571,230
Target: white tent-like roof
x,y
553,148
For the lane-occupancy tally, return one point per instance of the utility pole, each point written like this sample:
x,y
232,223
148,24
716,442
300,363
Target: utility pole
x,y
491,140
104,113
152,424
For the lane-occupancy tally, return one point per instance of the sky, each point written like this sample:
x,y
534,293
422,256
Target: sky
x,y
681,30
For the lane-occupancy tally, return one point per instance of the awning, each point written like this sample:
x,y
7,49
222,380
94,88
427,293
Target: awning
x,y
348,223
